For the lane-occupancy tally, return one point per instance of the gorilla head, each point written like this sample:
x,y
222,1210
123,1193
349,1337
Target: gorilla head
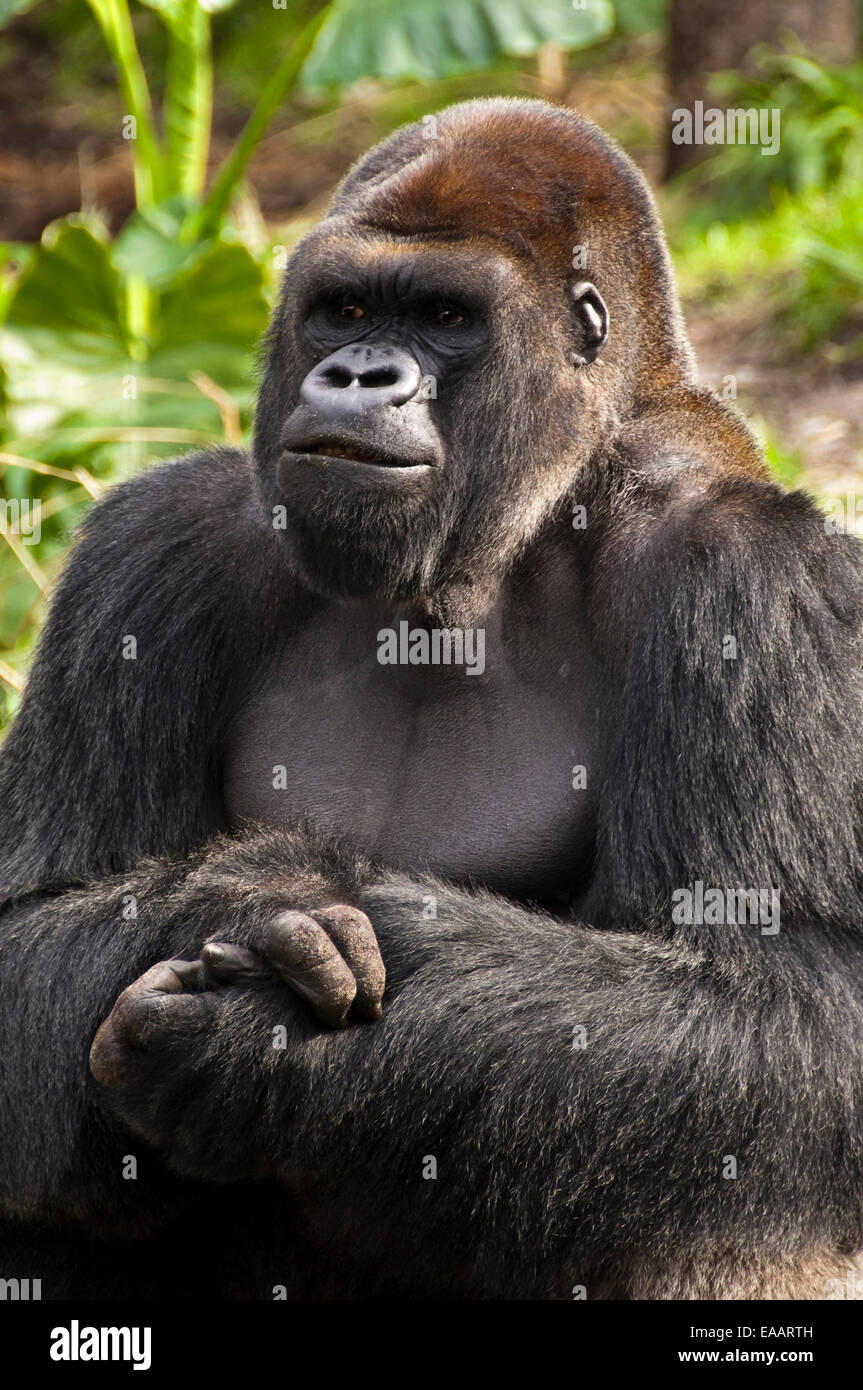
x,y
487,298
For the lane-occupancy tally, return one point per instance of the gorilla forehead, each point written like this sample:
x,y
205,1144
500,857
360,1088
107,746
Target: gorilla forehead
x,y
523,174
533,182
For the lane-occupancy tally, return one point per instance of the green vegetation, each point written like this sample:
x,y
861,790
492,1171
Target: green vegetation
x,y
802,263
822,136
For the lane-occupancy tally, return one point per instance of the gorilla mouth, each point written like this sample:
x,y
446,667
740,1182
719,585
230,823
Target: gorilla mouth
x,y
333,448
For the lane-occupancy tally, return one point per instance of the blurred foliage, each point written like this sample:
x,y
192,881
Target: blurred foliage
x,y
821,136
102,377
640,16
785,463
776,242
802,263
429,39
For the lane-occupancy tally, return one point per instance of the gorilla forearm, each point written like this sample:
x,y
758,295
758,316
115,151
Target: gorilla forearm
x,y
555,1156
552,1157
66,1161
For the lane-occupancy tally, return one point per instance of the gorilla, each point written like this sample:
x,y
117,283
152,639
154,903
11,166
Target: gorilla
x,y
439,826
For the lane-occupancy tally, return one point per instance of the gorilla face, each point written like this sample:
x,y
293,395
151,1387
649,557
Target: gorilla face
x,y
389,342
373,465
438,373
438,406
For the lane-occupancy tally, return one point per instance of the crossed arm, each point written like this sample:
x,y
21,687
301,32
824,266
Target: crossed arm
x,y
577,1090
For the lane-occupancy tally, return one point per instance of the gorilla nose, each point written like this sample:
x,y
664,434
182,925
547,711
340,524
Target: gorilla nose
x,y
360,378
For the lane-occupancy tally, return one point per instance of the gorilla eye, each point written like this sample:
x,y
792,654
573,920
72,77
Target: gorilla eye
x,y
446,315
351,311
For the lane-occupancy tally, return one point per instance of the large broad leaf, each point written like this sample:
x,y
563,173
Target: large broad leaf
x,y
430,39
68,308
149,244
640,16
74,384
212,311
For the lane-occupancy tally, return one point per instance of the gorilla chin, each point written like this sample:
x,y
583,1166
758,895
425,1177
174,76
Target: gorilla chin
x,y
360,461
360,528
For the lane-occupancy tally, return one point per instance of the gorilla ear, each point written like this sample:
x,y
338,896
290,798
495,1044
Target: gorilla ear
x,y
591,319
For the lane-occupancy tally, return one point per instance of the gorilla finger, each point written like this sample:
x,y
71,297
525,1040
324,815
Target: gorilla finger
x,y
354,935
136,1023
109,1056
170,979
307,960
176,976
165,997
234,965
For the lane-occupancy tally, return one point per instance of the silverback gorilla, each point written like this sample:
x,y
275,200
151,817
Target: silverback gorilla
x,y
612,870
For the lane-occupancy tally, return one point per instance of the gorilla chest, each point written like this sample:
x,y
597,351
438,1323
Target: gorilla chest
x,y
490,775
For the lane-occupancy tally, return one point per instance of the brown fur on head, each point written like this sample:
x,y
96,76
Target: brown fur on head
x,y
550,187
517,201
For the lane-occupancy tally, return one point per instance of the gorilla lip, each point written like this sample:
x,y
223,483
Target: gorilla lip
x,y
339,450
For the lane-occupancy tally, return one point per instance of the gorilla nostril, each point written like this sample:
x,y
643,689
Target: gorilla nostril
x,y
380,376
337,376
362,377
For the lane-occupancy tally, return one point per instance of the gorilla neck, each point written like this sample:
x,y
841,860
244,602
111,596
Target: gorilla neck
x,y
464,600
460,597
459,590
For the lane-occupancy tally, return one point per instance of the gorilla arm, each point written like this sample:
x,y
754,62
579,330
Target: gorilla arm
x,y
64,957
110,765
582,1090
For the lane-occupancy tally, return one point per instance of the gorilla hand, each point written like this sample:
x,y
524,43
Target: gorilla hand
x,y
166,1050
329,957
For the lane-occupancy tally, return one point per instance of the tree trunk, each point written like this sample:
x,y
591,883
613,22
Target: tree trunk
x,y
706,38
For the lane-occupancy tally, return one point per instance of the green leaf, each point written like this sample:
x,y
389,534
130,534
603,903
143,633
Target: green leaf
x,y
640,16
149,244
77,394
220,301
172,8
70,297
116,25
431,39
188,99
208,218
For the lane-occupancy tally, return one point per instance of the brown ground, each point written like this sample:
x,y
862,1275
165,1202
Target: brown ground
x,y
816,412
